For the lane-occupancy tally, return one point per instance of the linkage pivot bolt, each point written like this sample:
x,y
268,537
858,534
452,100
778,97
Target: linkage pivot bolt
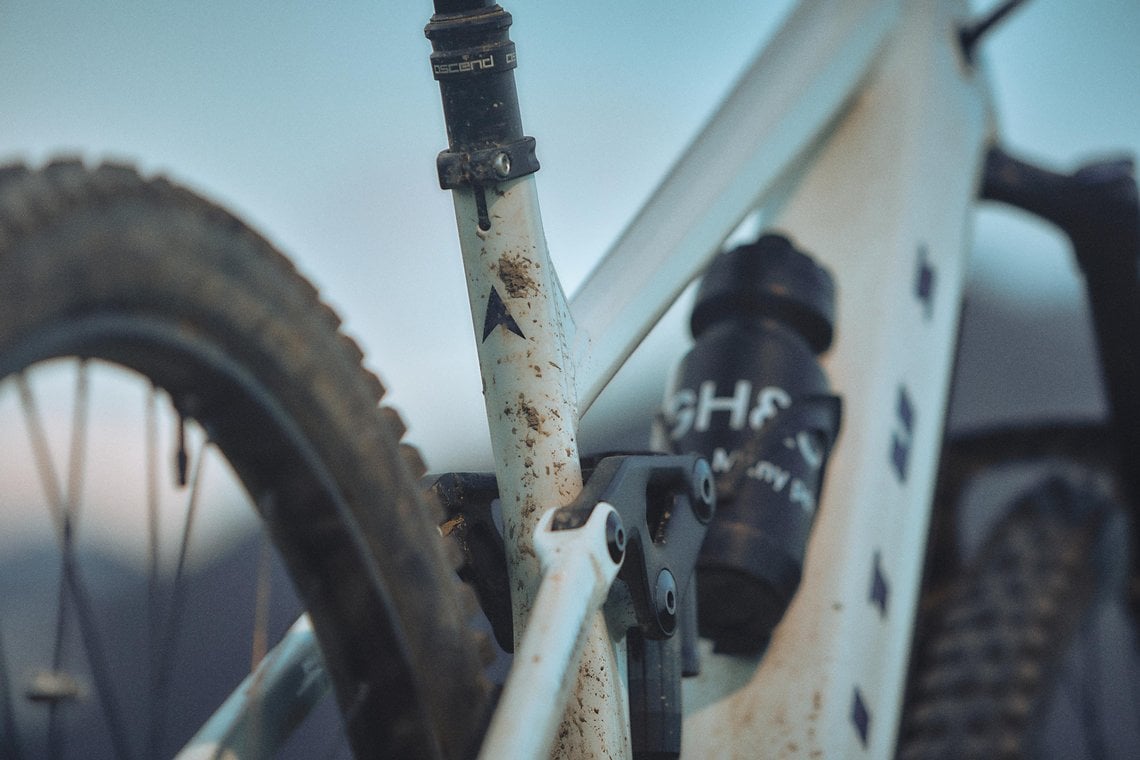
x,y
704,491
615,537
666,600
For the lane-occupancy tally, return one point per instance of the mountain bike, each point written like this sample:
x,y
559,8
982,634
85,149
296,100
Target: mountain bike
x,y
859,139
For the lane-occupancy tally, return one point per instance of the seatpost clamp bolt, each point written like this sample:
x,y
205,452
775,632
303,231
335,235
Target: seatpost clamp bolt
x,y
502,164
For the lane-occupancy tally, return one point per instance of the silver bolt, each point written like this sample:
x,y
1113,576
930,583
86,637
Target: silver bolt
x,y
502,164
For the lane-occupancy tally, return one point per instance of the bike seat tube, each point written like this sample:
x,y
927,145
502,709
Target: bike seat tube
x,y
521,323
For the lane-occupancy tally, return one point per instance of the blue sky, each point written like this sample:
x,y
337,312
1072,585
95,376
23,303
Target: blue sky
x,y
320,124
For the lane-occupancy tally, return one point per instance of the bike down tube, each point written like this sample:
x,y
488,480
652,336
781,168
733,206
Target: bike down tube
x,y
521,321
885,206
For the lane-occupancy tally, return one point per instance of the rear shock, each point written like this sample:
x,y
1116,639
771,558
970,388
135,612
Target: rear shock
x,y
752,398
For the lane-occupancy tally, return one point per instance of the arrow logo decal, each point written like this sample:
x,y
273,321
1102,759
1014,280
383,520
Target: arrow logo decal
x,y
497,314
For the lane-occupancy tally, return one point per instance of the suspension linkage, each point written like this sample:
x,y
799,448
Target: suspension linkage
x,y
662,503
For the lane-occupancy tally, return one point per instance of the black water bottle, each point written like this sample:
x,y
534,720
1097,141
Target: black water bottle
x,y
753,399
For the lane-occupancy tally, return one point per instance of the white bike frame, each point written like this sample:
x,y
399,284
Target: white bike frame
x,y
860,132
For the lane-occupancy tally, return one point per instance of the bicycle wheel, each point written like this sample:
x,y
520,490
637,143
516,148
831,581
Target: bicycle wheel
x,y
115,270
1025,646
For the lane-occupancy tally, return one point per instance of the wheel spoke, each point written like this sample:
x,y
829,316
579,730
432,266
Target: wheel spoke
x,y
152,504
260,637
45,467
167,644
177,592
78,454
154,614
53,702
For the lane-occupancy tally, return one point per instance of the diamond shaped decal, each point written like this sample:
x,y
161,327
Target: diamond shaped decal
x,y
860,717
